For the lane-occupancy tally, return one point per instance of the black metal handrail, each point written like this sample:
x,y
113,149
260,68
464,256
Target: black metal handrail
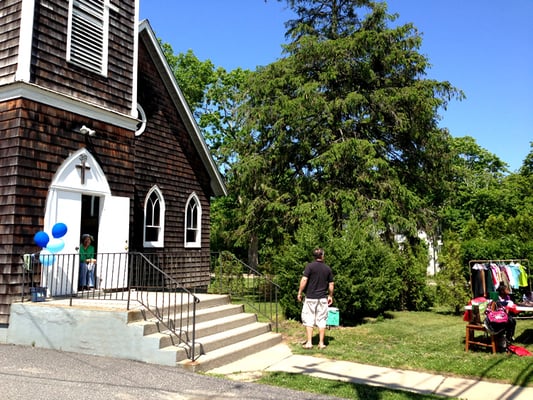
x,y
170,303
229,275
123,277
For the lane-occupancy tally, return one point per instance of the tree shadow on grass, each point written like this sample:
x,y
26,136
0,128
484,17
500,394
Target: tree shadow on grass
x,y
526,337
343,389
367,319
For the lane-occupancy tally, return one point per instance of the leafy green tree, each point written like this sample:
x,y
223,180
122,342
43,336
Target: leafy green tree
x,y
370,276
352,118
490,209
192,75
326,18
453,289
475,181
346,120
215,97
527,165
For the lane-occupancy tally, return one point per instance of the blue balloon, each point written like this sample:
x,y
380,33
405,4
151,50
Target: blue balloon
x,y
55,245
46,258
41,239
59,230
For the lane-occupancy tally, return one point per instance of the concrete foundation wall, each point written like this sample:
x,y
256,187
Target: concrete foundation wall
x,y
96,332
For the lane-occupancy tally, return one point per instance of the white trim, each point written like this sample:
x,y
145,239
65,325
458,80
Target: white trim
x,y
198,237
25,41
110,6
89,54
160,242
69,28
105,39
142,118
67,176
71,104
135,72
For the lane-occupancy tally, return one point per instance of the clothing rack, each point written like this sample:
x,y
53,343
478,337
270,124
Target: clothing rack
x,y
522,261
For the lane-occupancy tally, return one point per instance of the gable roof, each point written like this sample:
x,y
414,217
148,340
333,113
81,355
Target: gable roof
x,y
147,35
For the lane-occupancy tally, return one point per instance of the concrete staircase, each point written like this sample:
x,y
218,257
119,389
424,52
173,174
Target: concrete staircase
x,y
224,332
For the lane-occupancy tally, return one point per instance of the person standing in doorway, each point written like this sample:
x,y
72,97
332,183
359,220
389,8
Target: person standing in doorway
x,y
317,284
87,262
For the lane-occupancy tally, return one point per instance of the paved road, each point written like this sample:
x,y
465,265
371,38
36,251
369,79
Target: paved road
x,y
32,373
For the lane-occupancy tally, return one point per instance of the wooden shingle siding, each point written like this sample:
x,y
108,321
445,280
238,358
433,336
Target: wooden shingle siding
x,y
36,140
10,23
113,91
189,268
165,156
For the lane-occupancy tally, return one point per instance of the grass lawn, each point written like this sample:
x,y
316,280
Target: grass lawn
x,y
421,341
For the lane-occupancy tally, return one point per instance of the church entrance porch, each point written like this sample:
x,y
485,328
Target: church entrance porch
x,y
79,196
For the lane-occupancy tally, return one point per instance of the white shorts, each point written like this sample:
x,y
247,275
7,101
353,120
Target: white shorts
x,y
315,312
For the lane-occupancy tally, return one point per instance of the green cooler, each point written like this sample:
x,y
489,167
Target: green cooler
x,y
333,316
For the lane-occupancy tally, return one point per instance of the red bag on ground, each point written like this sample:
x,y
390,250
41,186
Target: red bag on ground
x,y
519,351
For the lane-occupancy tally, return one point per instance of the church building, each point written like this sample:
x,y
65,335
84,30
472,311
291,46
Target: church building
x,y
96,134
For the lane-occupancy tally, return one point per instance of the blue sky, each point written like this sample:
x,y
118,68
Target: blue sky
x,y
483,47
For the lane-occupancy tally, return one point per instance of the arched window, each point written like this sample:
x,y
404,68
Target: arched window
x,y
193,222
154,218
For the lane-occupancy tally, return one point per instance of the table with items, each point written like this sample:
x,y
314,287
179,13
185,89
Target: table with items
x,y
500,288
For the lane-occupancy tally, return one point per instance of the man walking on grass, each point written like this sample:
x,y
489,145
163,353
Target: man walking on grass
x,y
317,284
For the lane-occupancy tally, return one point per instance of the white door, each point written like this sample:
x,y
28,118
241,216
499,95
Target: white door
x,y
61,277
113,234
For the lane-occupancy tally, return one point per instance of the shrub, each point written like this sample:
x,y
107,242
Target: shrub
x,y
371,276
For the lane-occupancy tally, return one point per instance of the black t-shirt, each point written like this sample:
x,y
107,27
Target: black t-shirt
x,y
318,275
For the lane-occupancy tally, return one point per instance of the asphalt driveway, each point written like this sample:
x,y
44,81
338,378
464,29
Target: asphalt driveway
x,y
34,373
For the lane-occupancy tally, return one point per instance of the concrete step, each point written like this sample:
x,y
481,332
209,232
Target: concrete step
x,y
161,303
231,336
259,361
206,345
203,315
231,353
224,324
207,329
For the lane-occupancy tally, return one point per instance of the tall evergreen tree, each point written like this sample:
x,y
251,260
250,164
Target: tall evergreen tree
x,y
348,114
347,119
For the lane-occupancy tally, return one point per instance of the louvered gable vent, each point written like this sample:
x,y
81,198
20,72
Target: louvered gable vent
x,y
88,35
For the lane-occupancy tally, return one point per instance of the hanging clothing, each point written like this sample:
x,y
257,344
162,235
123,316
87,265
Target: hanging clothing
x,y
522,278
479,275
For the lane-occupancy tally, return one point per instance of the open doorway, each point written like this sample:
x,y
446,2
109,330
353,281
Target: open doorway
x,y
90,217
86,206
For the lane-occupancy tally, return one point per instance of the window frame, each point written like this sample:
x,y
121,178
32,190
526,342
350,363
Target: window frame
x,y
196,213
141,116
89,51
154,191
